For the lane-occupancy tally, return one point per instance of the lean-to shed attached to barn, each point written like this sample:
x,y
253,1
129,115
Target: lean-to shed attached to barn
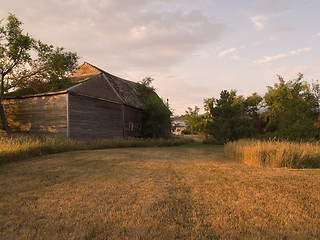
x,y
98,106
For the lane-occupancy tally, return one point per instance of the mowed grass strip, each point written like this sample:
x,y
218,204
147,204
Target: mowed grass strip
x,y
186,192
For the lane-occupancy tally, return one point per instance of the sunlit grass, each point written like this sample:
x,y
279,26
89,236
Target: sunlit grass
x,y
275,153
195,137
183,192
21,147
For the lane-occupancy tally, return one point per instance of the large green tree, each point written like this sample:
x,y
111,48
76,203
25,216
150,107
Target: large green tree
x,y
195,122
231,116
28,65
292,109
156,114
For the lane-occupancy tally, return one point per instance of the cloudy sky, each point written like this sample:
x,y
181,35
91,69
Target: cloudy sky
x,y
193,49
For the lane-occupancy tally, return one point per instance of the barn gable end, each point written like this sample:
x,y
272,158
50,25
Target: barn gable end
x,y
104,106
84,72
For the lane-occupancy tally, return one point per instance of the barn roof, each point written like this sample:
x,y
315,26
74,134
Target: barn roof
x,y
84,72
94,82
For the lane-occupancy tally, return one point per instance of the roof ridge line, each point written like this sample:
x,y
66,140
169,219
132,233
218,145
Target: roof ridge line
x,y
116,92
36,95
93,66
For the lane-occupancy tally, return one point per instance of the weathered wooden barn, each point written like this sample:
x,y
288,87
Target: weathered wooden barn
x,y
98,106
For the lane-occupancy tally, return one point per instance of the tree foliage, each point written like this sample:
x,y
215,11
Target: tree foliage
x,y
156,115
232,117
28,65
292,109
193,120
289,110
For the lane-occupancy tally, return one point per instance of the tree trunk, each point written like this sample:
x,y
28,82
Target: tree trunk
x,y
4,121
3,117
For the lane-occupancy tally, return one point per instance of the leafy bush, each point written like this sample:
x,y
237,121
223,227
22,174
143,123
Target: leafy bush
x,y
232,117
292,109
274,153
156,115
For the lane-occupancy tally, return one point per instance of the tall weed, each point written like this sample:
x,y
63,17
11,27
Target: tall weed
x,y
20,147
275,153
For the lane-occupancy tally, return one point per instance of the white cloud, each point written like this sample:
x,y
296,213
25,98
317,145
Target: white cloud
x,y
257,43
219,48
201,54
235,57
258,21
318,34
261,11
271,58
295,52
225,52
231,50
138,33
276,57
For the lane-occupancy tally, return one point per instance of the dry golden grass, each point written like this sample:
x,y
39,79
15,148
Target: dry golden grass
x,y
195,137
274,153
186,192
20,147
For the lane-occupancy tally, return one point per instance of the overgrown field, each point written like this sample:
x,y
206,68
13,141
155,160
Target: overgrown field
x,y
185,192
275,153
20,147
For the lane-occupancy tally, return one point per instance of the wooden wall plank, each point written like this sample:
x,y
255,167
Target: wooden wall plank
x,y
93,119
44,114
132,116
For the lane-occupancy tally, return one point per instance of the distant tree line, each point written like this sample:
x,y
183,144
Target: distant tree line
x,y
289,110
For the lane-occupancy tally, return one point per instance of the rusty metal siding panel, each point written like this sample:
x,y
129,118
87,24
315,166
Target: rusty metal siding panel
x,y
132,121
40,114
91,118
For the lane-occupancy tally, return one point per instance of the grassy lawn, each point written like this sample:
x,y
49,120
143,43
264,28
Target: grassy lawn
x,y
185,192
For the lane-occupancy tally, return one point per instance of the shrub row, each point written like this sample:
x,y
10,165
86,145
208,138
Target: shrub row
x,y
274,153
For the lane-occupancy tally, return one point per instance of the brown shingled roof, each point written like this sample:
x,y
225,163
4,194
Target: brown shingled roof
x,y
94,82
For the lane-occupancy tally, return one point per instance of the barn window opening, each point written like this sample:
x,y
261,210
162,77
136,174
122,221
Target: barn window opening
x,y
130,126
139,127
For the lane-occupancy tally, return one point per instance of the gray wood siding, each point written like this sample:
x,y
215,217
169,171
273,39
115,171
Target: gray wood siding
x,y
132,116
90,118
44,114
